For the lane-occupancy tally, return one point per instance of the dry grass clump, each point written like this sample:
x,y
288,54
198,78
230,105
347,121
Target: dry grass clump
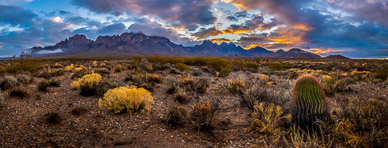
x,y
176,116
202,114
236,86
126,99
24,78
181,97
118,68
267,122
8,82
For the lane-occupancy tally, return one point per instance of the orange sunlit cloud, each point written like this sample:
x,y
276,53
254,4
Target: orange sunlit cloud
x,y
289,36
303,27
321,51
219,40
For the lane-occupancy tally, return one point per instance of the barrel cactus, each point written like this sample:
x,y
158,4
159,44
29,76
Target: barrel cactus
x,y
308,102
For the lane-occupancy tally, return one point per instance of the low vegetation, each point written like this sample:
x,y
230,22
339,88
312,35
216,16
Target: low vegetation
x,y
193,102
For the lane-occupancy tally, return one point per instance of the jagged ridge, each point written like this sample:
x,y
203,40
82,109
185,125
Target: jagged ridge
x,y
138,43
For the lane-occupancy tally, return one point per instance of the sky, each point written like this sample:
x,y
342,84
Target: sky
x,y
353,28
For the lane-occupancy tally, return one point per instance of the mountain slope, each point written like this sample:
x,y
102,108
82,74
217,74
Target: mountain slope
x,y
138,43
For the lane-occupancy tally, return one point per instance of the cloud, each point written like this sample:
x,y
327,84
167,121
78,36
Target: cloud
x,y
256,23
112,29
154,29
286,10
15,16
175,12
364,10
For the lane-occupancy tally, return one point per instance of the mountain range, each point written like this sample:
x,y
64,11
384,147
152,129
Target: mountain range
x,y
138,43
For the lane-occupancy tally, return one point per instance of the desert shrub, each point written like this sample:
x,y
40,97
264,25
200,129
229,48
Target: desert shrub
x,y
19,92
137,58
69,67
90,84
196,72
75,85
24,79
238,65
202,114
126,99
176,116
363,123
102,71
251,66
297,137
267,121
2,99
187,82
57,65
181,97
382,74
43,85
236,86
77,111
54,83
153,78
8,82
118,68
200,86
172,84
79,72
52,117
276,66
220,65
182,67
308,102
334,85
264,77
21,65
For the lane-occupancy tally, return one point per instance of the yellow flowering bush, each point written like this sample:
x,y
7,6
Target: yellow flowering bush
x,y
89,84
263,77
126,99
70,67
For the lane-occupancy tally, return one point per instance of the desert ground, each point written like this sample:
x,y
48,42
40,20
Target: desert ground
x,y
188,102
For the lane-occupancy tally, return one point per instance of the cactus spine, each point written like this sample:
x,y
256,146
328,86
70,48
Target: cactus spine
x,y
308,102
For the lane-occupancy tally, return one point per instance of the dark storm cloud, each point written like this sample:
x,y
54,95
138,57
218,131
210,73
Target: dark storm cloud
x,y
15,15
176,12
153,29
112,29
286,10
256,23
368,10
232,18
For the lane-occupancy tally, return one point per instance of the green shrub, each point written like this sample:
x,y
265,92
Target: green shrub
x,y
276,66
382,74
137,58
308,102
126,99
182,67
